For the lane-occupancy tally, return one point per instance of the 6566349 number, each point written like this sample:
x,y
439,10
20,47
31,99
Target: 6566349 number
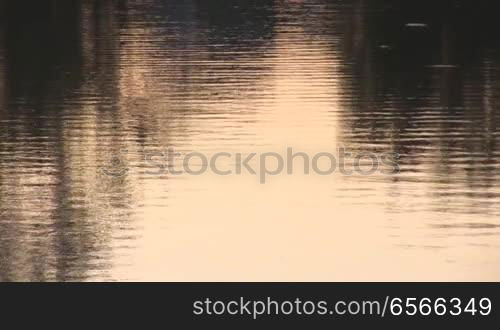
x,y
440,306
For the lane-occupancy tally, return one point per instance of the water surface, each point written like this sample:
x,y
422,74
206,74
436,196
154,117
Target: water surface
x,y
84,83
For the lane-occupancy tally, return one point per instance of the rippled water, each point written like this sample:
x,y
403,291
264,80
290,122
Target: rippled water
x,y
86,83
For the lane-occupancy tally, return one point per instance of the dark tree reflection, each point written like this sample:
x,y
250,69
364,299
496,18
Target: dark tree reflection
x,y
426,91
